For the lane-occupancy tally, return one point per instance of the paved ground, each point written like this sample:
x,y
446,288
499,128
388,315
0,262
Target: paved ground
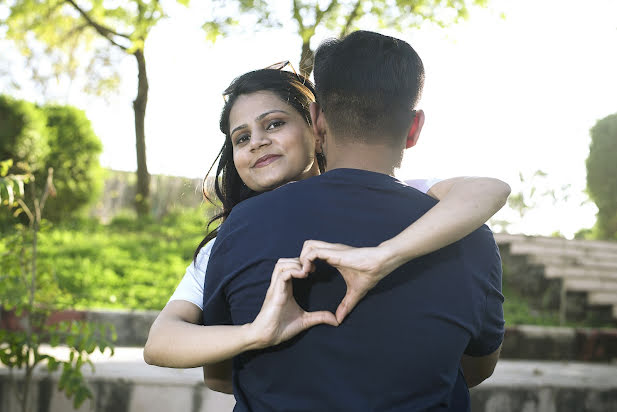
x,y
128,363
519,385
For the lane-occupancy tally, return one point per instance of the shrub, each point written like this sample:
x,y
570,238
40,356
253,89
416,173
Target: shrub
x,y
54,136
23,135
74,156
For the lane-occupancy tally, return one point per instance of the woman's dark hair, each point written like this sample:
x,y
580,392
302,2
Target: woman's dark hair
x,y
295,90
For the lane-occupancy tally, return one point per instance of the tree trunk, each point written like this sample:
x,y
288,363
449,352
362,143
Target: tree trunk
x,y
306,59
142,198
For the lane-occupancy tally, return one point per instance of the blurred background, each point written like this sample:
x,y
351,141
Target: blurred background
x,y
122,100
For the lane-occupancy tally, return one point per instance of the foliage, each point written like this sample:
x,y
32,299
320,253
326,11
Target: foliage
x,y
74,156
32,292
602,176
56,136
130,263
338,17
23,136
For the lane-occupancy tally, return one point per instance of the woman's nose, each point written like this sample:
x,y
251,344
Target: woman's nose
x,y
259,139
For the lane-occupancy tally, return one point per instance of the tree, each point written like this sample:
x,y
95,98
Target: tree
x,y
602,175
340,17
71,29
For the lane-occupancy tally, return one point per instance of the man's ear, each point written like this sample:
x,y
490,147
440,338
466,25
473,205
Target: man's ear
x,y
416,128
319,124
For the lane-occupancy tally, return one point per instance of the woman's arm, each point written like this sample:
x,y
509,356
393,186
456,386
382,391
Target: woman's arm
x,y
176,341
465,203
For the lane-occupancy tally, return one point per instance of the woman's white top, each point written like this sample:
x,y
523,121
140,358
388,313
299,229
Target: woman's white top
x,y
191,287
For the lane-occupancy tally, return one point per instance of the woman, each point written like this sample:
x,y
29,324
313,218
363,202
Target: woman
x,y
270,109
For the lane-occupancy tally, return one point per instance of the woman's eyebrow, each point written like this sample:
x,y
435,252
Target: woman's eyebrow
x,y
261,116
242,126
258,118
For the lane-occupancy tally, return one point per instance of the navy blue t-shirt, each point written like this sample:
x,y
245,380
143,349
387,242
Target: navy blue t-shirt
x,y
400,348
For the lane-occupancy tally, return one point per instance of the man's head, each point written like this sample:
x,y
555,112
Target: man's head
x,y
367,86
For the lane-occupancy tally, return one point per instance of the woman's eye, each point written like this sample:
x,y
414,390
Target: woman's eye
x,y
242,138
274,124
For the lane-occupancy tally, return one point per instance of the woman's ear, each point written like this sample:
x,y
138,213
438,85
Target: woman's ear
x,y
319,125
416,128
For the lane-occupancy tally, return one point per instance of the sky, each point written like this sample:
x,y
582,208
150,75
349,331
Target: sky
x,y
512,90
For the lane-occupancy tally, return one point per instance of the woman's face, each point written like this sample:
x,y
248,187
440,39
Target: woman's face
x,y
272,143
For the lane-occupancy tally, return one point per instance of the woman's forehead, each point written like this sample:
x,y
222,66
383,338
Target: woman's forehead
x,y
249,107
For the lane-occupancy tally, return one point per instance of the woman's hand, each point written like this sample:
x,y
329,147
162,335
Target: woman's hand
x,y
281,318
361,268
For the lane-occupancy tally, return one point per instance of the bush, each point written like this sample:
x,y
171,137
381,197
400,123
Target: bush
x,y
23,135
74,156
54,136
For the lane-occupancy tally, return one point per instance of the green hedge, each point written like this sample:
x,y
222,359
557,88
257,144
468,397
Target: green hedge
x,y
23,135
54,136
74,155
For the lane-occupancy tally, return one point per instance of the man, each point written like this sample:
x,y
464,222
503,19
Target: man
x,y
401,347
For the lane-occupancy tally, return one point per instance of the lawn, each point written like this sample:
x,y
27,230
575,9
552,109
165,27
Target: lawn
x,y
132,264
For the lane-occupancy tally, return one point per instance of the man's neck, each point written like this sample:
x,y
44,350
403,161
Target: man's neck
x,y
374,158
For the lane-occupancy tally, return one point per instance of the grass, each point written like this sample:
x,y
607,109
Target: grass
x,y
137,264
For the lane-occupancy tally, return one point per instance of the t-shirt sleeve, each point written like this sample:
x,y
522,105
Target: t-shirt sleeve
x,y
191,287
492,326
423,185
215,306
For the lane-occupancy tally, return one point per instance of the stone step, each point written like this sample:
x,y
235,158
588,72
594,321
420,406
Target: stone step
x,y
590,285
529,248
579,272
558,243
125,383
603,298
573,261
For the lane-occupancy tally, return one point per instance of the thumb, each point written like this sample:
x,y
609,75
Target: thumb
x,y
349,302
310,319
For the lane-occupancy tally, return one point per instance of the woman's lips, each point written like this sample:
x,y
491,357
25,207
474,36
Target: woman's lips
x,y
266,160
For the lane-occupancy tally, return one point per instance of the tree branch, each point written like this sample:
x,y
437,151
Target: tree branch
x,y
297,17
350,19
320,14
102,30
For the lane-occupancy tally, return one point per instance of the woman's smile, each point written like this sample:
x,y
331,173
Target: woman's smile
x,y
265,160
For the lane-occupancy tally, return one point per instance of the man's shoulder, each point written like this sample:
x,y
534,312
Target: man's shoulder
x,y
480,251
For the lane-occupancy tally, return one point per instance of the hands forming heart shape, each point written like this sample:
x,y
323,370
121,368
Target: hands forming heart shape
x,y
281,318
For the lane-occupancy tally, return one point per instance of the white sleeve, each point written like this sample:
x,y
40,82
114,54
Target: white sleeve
x,y
191,287
422,185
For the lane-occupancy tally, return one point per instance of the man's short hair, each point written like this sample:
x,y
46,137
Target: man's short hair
x,y
367,84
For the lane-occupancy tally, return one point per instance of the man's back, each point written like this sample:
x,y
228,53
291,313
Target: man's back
x,y
401,346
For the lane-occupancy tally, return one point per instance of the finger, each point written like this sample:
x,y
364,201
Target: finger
x,y
288,264
330,256
350,301
310,319
287,260
322,244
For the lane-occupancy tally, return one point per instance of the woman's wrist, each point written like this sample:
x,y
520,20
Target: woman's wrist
x,y
252,337
394,255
